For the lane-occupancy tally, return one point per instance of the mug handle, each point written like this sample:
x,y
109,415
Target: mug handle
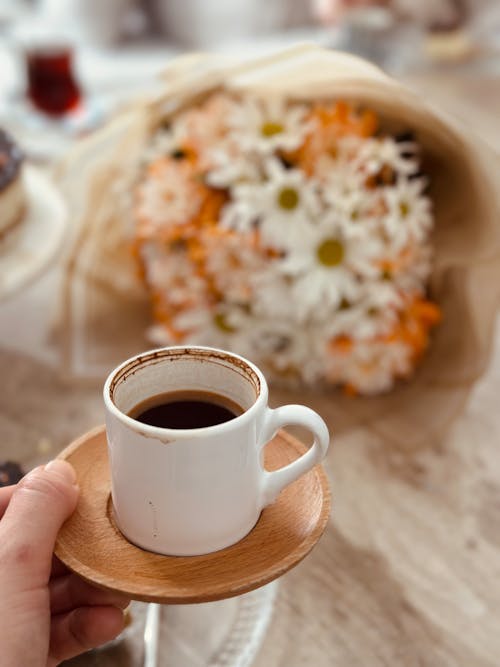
x,y
274,482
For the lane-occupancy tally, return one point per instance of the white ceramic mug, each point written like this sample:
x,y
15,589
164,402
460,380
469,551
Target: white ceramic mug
x,y
193,491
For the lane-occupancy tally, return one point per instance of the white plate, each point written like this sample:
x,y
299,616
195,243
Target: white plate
x,y
36,241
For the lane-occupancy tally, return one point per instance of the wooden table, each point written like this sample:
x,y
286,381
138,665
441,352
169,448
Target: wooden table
x,y
408,572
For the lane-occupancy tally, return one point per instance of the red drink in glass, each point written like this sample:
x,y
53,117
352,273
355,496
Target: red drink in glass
x,y
52,86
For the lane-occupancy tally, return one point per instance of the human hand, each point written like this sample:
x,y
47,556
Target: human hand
x,y
47,614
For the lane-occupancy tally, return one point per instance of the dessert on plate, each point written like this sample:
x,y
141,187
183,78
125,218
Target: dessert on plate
x,y
12,194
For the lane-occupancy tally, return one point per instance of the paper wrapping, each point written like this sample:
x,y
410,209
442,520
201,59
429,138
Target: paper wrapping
x,y
105,307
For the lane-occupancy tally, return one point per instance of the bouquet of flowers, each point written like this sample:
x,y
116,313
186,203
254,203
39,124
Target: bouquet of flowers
x,y
295,234
305,210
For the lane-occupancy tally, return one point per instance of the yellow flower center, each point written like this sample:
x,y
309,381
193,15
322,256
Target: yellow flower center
x,y
404,208
330,252
288,199
221,323
270,128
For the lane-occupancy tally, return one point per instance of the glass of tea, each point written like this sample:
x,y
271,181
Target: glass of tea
x,y
46,53
52,86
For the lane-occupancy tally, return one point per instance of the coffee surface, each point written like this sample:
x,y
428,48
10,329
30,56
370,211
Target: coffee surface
x,y
186,409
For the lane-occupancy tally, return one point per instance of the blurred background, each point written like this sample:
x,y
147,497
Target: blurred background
x,y
104,52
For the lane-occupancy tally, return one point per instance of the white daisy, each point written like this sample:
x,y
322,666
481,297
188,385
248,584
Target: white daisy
x,y
281,207
374,314
205,126
265,125
370,367
273,296
410,267
218,325
349,200
327,265
229,166
375,153
166,142
232,261
200,129
409,212
169,271
343,185
284,350
168,195
341,161
240,213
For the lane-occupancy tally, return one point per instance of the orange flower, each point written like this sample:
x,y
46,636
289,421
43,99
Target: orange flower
x,y
340,345
212,203
395,264
172,197
330,122
415,323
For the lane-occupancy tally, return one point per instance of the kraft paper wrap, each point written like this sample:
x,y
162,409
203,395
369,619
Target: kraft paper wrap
x,y
105,310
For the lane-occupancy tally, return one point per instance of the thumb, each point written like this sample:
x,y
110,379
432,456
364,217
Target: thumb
x,y
40,504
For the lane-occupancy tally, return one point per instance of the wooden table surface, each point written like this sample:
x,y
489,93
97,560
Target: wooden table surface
x,y
408,572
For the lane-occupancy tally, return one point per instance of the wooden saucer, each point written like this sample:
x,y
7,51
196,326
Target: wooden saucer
x,y
91,545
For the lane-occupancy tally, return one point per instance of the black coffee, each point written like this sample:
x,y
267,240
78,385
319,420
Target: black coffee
x,y
186,409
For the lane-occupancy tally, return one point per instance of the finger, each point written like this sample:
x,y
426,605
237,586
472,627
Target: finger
x,y
70,592
81,630
39,505
5,496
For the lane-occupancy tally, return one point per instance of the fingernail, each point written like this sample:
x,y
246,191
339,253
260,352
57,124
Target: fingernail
x,y
63,469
